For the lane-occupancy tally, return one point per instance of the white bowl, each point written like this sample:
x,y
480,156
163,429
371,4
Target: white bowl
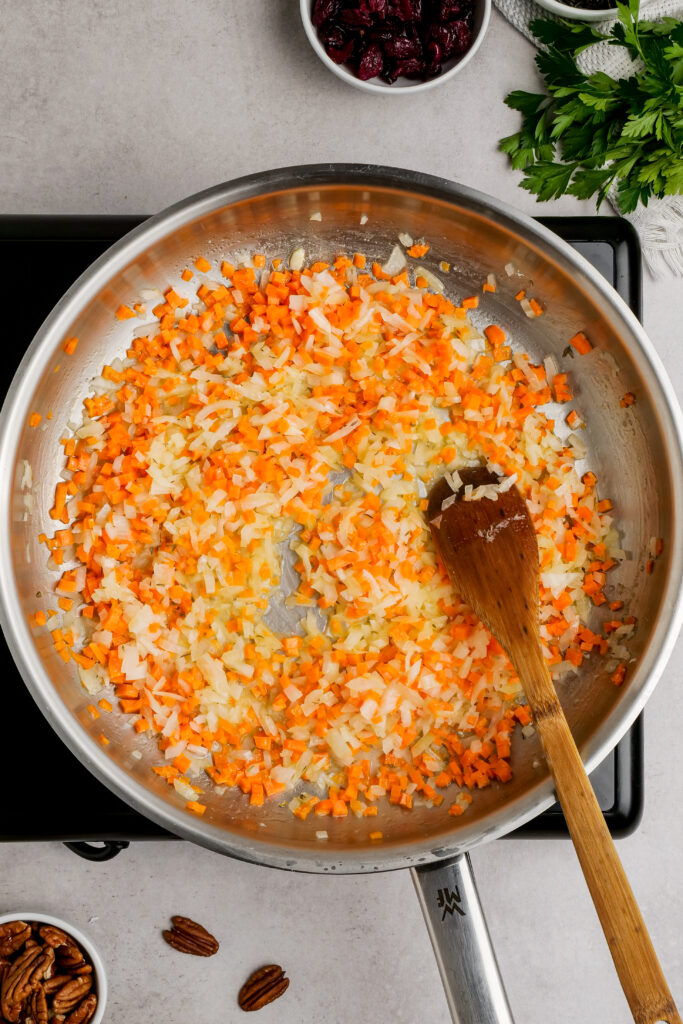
x,y
577,13
99,975
402,86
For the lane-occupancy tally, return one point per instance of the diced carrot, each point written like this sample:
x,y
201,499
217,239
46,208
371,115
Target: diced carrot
x,y
560,390
124,313
580,342
495,334
130,707
619,675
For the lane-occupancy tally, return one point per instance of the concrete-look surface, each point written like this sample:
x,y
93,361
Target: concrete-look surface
x,y
117,106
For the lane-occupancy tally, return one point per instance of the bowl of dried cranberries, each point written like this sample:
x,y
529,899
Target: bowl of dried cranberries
x,y
395,46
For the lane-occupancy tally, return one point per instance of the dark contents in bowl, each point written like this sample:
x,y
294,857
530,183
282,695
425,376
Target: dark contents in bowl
x,y
412,38
591,5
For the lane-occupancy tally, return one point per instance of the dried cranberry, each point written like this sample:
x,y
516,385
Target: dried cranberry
x,y
340,54
410,68
451,10
377,7
444,36
381,35
323,10
454,38
338,44
434,53
406,10
358,17
434,59
371,63
402,47
463,37
333,35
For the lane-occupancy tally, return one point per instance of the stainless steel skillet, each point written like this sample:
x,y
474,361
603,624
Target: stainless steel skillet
x,y
635,451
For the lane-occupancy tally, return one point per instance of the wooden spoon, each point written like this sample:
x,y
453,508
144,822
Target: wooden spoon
x,y
490,551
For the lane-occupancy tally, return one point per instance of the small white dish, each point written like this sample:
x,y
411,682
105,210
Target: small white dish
x,y
86,944
402,86
577,13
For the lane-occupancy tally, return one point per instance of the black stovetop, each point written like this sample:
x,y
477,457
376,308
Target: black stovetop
x,y
82,808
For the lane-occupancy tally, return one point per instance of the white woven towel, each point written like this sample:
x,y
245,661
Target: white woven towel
x,y
660,223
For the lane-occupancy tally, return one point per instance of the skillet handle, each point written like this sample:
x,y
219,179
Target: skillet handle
x,y
461,941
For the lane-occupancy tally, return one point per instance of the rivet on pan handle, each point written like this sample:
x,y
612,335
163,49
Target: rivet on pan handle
x,y
461,941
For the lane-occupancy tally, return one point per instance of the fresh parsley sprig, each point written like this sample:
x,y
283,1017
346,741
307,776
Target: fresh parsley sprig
x,y
589,131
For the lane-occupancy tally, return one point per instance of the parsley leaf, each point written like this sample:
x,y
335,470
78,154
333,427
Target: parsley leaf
x,y
548,180
556,34
591,131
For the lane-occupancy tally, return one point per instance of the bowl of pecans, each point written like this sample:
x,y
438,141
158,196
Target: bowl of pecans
x,y
49,970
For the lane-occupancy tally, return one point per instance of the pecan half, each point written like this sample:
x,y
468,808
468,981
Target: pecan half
x,y
41,967
56,982
38,1006
82,968
13,935
189,937
22,977
69,996
262,987
54,937
70,958
85,1012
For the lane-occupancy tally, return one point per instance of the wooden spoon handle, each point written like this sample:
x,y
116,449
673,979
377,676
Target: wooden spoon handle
x,y
634,957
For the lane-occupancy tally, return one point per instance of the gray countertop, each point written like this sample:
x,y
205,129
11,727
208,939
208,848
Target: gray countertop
x,y
116,106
